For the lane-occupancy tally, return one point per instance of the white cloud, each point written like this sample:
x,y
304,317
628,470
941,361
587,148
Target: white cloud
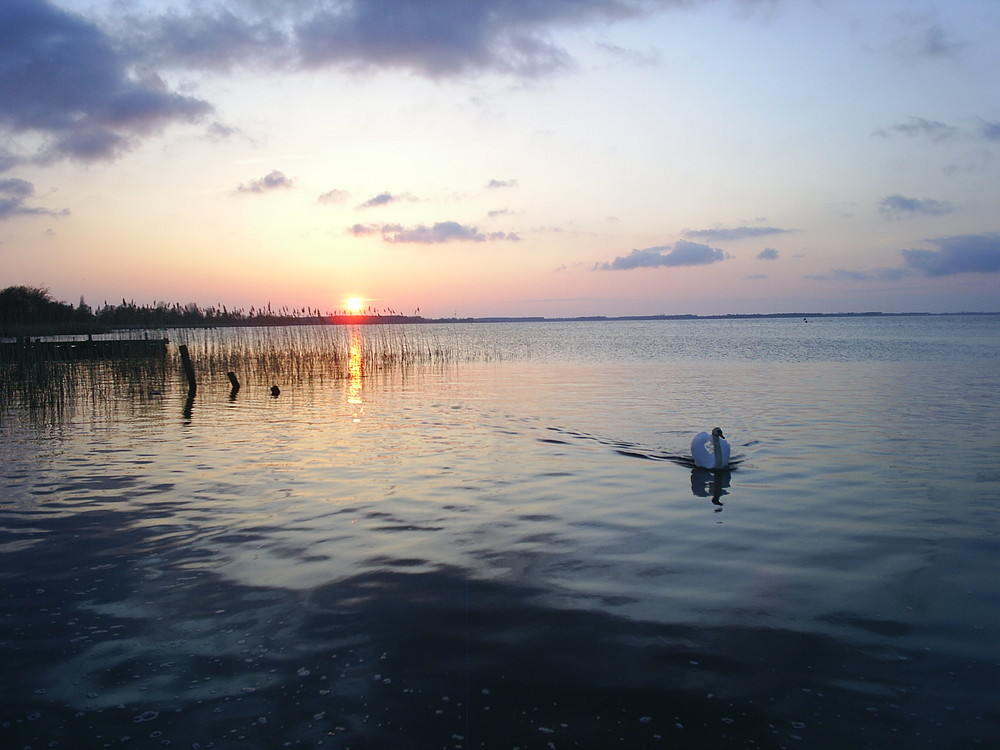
x,y
963,253
14,193
897,206
440,232
919,127
334,196
681,253
732,233
274,180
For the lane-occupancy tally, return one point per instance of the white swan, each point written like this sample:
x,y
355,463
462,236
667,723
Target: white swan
x,y
710,451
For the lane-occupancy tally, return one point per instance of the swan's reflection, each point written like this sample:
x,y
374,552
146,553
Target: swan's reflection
x,y
711,483
355,368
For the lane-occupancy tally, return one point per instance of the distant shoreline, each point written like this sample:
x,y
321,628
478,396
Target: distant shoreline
x,y
22,331
727,316
392,319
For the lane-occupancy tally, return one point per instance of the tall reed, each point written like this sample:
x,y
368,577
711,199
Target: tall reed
x,y
309,354
58,389
259,356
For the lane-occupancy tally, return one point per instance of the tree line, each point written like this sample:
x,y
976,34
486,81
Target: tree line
x,y
23,307
27,310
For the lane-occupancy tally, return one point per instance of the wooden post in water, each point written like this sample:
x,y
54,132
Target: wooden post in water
x,y
188,368
234,383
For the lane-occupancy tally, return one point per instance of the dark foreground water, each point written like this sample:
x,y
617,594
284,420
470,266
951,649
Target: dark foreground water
x,y
511,552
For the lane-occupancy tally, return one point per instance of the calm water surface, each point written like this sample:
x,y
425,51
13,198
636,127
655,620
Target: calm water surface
x,y
508,549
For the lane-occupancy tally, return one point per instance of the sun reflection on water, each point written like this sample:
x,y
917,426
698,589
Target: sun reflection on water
x,y
355,359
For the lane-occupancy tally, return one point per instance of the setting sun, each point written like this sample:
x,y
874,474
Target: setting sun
x,y
354,305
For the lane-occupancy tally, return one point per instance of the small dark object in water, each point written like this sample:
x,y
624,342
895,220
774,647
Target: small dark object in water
x,y
275,391
188,369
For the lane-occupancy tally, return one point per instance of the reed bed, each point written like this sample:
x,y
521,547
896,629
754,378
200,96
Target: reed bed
x,y
288,356
58,389
300,355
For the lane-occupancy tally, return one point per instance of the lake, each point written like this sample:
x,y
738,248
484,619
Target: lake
x,y
502,543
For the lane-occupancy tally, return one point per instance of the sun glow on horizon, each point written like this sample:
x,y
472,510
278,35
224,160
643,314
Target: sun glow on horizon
x,y
354,305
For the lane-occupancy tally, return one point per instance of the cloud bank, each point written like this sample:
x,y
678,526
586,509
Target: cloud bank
x,y
104,73
63,78
451,37
443,38
956,254
962,253
94,88
681,253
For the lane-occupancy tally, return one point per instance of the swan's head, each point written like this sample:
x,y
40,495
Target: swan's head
x,y
717,432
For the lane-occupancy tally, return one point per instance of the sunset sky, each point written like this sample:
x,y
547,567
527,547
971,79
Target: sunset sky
x,y
504,157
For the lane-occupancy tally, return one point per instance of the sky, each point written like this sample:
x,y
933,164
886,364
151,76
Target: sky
x,y
504,157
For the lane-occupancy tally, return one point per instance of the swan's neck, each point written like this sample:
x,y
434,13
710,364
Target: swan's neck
x,y
717,451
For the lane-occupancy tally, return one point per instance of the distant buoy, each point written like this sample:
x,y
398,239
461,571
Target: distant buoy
x,y
275,391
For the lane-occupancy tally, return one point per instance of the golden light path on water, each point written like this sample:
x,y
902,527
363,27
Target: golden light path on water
x,y
355,368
